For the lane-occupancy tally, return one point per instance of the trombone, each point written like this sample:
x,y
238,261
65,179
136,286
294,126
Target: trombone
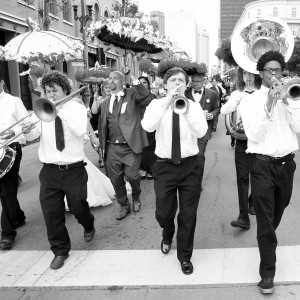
x,y
44,109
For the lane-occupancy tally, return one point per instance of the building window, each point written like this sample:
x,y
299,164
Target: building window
x,y
275,12
259,12
106,14
97,12
53,7
66,10
294,12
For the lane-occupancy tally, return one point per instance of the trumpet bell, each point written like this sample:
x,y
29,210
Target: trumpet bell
x,y
180,105
291,89
253,37
45,110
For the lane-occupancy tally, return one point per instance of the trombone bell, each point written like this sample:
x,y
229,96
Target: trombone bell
x,y
45,110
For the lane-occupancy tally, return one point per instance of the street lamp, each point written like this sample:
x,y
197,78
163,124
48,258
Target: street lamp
x,y
83,19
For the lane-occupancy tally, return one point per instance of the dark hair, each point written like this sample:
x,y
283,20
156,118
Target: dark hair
x,y
91,88
240,84
174,71
145,78
55,77
269,56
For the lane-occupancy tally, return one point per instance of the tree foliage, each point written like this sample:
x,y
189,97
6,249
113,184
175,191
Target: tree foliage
x,y
128,8
293,64
224,53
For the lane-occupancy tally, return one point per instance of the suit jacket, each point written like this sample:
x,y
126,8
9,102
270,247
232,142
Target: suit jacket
x,y
218,90
129,119
210,102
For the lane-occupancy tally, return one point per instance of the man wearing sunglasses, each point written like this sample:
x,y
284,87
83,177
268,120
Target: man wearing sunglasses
x,y
271,123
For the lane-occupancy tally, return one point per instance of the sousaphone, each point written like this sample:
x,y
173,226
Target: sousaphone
x,y
249,41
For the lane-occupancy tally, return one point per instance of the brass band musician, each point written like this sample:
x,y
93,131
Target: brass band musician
x,y
246,84
270,122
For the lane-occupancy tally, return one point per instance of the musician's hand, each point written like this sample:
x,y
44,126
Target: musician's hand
x,y
27,126
274,93
8,134
171,94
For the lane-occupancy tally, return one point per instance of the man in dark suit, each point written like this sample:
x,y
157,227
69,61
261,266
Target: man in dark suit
x,y
122,139
208,100
218,90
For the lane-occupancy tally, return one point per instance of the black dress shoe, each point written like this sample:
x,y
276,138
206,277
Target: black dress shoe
x,y
136,205
266,286
58,261
241,223
167,243
187,267
88,235
6,244
123,213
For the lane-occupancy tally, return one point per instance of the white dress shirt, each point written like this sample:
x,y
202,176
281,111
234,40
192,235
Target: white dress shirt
x,y
112,99
74,121
12,110
274,137
197,96
193,125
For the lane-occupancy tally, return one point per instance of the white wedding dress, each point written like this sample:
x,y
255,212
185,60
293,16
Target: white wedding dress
x,y
100,191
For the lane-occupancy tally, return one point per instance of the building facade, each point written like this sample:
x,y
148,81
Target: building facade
x,y
230,12
13,14
159,17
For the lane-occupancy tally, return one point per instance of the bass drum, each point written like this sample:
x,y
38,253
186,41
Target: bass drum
x,y
234,129
7,158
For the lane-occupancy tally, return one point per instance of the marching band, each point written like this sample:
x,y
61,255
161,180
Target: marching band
x,y
262,114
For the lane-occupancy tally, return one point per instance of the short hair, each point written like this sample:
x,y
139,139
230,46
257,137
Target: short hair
x,y
145,78
199,74
119,73
55,77
174,71
240,84
269,56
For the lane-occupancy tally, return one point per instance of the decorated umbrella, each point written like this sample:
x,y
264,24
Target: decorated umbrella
x,y
189,67
128,33
45,46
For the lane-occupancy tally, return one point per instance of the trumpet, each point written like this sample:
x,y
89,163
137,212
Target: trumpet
x,y
44,109
180,105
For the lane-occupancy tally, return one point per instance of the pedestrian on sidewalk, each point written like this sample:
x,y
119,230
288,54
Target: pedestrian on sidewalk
x,y
271,123
122,139
12,110
246,84
63,173
177,168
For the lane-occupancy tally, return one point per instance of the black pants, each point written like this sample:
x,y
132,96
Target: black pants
x,y
271,185
242,165
11,211
201,154
184,179
122,161
55,185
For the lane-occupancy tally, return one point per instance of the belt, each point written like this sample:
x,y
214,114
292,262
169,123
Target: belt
x,y
118,143
67,166
182,161
277,160
15,145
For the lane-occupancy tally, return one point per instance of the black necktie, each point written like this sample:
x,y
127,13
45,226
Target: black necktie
x,y
115,105
59,134
176,152
199,92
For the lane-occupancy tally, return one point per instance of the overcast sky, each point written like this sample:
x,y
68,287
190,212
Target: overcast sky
x,y
206,11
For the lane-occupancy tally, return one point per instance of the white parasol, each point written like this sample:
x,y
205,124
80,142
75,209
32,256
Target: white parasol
x,y
44,46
